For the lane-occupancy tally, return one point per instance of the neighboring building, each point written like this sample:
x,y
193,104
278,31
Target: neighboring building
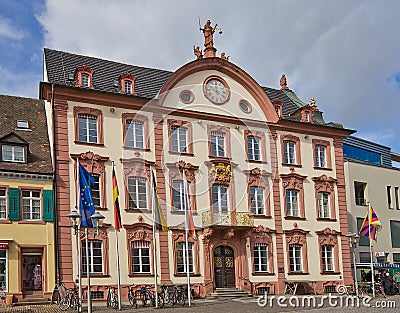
x,y
371,178
27,254
265,174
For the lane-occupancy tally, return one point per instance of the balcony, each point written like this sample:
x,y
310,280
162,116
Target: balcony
x,y
211,218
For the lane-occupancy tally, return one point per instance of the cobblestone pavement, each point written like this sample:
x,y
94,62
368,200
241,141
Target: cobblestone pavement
x,y
241,305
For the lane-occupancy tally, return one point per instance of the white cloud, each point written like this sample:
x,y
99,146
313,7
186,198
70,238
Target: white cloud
x,y
342,53
8,31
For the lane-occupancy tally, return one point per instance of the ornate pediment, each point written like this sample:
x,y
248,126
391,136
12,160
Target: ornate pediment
x,y
139,231
327,236
324,183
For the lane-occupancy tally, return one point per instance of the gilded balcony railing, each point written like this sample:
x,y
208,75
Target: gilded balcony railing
x,y
210,218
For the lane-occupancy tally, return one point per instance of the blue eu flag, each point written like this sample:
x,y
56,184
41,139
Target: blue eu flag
x,y
86,182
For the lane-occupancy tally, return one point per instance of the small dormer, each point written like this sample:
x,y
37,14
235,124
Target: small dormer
x,y
306,113
278,105
127,83
14,149
84,77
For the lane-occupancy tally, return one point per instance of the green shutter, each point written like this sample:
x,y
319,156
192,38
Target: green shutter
x,y
48,212
13,204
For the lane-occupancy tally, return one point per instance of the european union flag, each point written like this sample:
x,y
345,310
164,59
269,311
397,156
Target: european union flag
x,y
86,182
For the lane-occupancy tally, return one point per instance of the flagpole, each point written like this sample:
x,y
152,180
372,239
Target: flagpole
x,y
117,253
89,297
153,203
78,237
187,236
370,249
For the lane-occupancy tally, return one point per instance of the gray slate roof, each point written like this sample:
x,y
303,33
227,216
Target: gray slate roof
x,y
60,65
33,111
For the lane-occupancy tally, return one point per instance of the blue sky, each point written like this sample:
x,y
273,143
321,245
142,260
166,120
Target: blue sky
x,y
343,53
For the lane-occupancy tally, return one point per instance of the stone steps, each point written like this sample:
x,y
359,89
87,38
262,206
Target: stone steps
x,y
227,293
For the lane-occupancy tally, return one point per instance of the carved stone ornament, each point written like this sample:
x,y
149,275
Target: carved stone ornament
x,y
327,236
139,231
136,167
257,177
292,180
296,236
324,183
260,234
229,234
175,170
94,163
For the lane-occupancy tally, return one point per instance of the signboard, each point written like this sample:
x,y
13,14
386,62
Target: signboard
x,y
380,254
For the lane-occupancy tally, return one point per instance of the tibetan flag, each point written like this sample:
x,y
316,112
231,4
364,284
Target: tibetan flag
x,y
117,213
159,218
86,205
371,225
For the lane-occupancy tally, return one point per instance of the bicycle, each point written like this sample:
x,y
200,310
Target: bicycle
x,y
181,295
147,295
131,295
69,298
168,294
112,298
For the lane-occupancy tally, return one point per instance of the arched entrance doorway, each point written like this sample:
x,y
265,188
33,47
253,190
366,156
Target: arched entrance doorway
x,y
224,267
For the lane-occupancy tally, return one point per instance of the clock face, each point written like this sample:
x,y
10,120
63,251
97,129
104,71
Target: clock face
x,y
216,91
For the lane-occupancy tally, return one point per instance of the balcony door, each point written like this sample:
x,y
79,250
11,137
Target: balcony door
x,y
224,267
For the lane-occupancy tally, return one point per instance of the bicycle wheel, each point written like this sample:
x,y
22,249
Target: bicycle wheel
x,y
64,303
114,302
132,300
160,301
143,298
108,299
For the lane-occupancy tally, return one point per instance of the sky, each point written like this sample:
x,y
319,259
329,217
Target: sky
x,y
343,53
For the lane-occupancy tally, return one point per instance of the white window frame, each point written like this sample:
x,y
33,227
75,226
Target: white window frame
x,y
178,189
31,201
328,259
134,134
257,200
92,257
295,258
292,207
254,148
289,151
260,256
85,80
94,191
140,257
84,133
218,204
5,288
324,209
15,153
320,156
128,86
135,194
179,139
218,144
3,204
181,246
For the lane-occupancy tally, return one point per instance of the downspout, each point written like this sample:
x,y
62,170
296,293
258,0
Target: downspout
x,y
57,267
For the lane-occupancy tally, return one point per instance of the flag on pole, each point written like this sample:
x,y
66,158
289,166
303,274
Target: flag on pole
x,y
371,225
117,213
159,218
86,205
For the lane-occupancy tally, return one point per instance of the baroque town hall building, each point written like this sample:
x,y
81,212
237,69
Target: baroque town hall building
x,y
265,174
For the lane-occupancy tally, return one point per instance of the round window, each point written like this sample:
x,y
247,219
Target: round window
x,y
245,106
186,96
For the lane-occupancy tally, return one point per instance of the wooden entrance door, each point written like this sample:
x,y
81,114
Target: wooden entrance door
x,y
224,267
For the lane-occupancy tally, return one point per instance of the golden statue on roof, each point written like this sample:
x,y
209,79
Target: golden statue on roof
x,y
313,102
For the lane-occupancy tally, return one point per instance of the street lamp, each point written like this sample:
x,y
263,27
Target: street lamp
x,y
97,221
353,238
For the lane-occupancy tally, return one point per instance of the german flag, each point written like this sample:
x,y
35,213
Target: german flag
x,y
117,213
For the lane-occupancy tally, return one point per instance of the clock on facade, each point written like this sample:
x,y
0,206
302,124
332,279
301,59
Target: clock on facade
x,y
216,90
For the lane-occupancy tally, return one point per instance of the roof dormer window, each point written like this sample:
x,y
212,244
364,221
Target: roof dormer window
x,y
127,82
307,116
22,124
278,110
84,76
85,80
278,104
13,154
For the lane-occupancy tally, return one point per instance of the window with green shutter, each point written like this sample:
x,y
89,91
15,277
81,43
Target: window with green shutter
x,y
13,204
48,210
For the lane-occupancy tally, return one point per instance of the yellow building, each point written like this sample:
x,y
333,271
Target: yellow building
x,y
27,259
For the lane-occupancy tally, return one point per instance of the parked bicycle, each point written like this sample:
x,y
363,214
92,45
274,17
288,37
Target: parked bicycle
x,y
132,295
148,296
168,292
112,297
69,298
